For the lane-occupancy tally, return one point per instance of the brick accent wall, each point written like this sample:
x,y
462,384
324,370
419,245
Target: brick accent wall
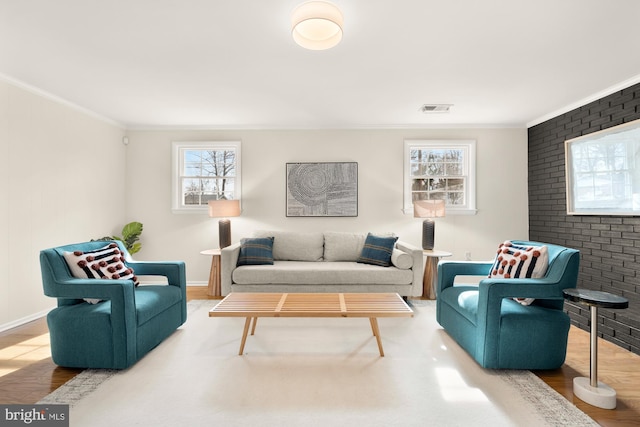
x,y
609,245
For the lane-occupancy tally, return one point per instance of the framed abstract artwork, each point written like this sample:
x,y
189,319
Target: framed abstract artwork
x,y
322,189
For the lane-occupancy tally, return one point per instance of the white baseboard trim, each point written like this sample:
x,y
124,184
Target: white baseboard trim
x,y
198,283
22,321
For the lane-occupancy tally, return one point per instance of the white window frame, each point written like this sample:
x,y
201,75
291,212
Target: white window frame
x,y
607,165
178,148
469,147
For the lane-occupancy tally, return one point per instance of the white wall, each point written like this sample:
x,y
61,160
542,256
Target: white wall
x,y
501,191
62,180
65,176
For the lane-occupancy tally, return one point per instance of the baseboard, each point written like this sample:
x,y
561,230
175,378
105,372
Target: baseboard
x,y
22,321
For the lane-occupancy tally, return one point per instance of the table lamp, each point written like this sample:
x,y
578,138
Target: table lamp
x,y
224,209
428,209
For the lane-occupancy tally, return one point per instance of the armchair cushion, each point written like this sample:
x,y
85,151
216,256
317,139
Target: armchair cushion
x,y
106,262
515,261
152,300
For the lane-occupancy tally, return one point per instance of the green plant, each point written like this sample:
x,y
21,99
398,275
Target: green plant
x,y
130,236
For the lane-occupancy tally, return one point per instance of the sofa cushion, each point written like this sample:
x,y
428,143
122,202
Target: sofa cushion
x,y
401,260
256,251
377,250
519,262
106,262
321,273
341,246
295,246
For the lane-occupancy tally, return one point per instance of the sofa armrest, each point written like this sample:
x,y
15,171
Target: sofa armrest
x,y
228,261
418,265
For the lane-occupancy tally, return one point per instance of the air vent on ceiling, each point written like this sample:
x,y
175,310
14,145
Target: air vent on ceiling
x,y
436,108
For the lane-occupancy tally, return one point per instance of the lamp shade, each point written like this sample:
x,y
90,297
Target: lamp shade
x,y
428,208
224,208
317,25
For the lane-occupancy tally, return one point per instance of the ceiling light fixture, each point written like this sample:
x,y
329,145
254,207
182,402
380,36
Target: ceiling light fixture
x,y
317,25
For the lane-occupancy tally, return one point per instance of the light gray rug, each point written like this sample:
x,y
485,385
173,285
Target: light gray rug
x,y
312,372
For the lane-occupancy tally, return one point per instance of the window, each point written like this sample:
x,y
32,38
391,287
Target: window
x,y
440,170
603,172
204,171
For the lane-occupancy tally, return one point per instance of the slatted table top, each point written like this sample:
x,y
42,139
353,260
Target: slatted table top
x,y
250,304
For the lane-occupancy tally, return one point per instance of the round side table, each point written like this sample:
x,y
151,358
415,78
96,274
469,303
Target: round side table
x,y
591,390
431,271
214,273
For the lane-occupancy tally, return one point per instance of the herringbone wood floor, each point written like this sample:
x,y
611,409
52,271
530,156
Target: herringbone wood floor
x,y
27,373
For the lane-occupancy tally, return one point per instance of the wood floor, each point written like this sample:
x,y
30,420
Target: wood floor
x,y
27,373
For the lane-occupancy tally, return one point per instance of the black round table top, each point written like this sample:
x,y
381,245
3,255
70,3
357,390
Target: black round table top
x,y
596,298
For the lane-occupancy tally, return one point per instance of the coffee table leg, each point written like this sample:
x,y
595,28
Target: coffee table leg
x,y
244,335
253,328
376,332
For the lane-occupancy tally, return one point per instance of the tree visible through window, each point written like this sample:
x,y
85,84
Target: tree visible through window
x,y
440,170
438,174
205,171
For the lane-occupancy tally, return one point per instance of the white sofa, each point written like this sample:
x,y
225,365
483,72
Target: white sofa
x,y
322,262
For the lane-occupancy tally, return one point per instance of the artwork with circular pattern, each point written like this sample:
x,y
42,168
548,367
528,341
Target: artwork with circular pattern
x,y
322,189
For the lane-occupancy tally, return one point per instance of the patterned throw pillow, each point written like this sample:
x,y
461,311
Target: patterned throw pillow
x,y
256,251
518,262
377,250
104,263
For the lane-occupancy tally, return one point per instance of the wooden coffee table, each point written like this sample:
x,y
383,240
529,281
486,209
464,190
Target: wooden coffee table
x,y
254,305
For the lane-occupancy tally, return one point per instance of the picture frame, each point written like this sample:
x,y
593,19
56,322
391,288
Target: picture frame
x,y
324,189
603,172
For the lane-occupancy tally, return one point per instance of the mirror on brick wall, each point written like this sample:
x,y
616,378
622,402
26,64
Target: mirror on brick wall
x,y
603,172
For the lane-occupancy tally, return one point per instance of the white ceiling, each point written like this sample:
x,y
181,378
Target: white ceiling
x,y
233,63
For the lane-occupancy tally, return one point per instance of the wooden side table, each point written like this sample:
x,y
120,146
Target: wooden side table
x,y
431,272
214,275
591,390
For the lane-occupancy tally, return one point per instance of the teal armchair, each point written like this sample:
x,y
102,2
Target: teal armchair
x,y
498,332
129,321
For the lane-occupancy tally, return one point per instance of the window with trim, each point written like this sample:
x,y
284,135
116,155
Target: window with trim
x,y
603,172
440,170
204,171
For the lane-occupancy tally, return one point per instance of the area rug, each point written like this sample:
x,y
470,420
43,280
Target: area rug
x,y
312,372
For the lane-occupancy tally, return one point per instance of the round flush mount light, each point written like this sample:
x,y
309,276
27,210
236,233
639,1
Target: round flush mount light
x,y
317,25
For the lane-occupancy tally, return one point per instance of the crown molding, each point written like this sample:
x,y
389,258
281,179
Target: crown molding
x,y
598,95
47,95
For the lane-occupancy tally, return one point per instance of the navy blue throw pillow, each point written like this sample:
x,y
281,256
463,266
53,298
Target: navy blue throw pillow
x,y
377,250
256,251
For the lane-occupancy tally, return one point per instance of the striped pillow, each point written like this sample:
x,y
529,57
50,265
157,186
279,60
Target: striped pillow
x,y
377,250
256,251
104,263
519,262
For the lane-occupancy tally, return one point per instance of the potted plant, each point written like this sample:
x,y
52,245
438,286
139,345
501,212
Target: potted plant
x,y
130,236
